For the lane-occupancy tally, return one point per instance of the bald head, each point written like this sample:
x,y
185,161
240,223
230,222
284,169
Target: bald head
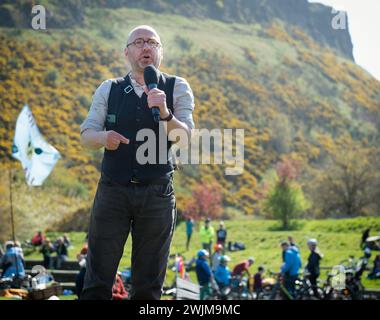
x,y
135,33
140,57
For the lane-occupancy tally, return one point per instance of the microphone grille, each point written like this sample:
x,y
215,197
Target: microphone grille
x,y
150,75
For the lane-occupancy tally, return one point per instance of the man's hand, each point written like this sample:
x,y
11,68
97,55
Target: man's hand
x,y
157,98
111,140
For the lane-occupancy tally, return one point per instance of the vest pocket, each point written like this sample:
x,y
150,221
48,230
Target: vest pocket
x,y
110,121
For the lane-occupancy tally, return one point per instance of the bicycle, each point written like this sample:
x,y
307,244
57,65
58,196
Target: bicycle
x,y
276,291
352,288
237,290
306,291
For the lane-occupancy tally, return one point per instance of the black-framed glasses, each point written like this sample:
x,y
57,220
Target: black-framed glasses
x,y
140,42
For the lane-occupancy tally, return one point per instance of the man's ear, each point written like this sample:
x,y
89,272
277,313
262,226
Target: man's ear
x,y
161,56
126,52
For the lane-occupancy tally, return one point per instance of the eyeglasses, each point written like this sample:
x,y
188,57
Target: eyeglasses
x,y
140,42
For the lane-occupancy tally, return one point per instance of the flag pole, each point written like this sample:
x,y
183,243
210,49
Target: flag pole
x,y
11,203
12,220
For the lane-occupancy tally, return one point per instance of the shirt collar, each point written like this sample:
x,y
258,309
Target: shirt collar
x,y
135,83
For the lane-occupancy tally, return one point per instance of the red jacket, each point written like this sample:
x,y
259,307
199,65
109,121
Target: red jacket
x,y
37,239
118,290
240,268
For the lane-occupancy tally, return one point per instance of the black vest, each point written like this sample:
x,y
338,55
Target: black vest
x,y
127,114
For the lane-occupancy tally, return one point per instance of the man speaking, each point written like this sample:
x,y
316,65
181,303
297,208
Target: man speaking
x,y
132,196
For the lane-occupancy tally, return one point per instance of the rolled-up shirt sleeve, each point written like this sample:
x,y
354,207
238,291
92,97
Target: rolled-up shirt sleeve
x,y
183,100
98,110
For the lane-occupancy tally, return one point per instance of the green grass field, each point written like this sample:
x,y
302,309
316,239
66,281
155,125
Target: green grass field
x,y
338,240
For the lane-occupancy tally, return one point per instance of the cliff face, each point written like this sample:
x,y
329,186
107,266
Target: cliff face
x,y
314,19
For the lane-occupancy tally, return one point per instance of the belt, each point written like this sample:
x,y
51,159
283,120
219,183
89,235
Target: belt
x,y
136,181
161,180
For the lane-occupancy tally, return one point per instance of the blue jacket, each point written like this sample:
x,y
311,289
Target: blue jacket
x,y
9,261
292,262
189,227
203,272
223,275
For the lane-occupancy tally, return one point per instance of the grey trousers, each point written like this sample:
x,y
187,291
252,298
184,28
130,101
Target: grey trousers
x,y
149,213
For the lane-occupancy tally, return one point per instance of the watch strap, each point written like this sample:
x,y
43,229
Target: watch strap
x,y
169,117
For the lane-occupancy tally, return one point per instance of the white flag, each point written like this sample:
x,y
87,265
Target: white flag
x,y
37,157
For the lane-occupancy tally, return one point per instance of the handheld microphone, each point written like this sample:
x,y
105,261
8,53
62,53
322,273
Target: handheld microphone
x,y
151,81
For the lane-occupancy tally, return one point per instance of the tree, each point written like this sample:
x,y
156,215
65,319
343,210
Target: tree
x,y
350,184
285,199
206,201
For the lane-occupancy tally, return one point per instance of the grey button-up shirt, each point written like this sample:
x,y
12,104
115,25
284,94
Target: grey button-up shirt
x,y
183,104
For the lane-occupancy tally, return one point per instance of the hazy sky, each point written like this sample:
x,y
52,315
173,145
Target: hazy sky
x,y
364,27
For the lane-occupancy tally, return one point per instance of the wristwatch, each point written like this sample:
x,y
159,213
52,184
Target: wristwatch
x,y
169,117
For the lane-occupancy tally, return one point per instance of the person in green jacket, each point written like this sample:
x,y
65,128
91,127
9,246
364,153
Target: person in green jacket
x,y
207,234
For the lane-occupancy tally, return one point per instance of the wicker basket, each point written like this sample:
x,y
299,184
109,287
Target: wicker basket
x,y
44,294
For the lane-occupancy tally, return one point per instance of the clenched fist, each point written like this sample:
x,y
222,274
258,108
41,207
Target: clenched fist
x,y
157,98
111,140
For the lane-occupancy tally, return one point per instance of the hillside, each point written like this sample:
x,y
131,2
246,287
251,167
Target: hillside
x,y
312,18
293,96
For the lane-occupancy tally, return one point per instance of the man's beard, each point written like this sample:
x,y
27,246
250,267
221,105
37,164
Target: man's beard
x,y
139,66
